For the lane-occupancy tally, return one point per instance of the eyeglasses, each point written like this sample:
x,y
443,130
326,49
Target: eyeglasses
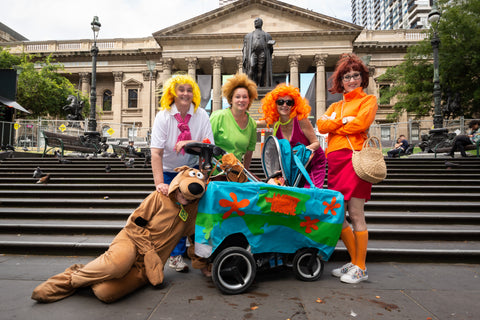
x,y
289,103
349,77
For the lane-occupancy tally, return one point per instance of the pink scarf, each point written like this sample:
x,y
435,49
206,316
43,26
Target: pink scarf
x,y
184,128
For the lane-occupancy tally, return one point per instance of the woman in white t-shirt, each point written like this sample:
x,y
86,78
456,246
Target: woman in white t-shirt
x,y
179,122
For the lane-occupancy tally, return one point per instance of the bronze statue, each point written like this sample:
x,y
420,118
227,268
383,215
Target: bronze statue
x,y
257,55
74,108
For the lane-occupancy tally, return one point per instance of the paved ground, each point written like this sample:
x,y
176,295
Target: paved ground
x,y
394,291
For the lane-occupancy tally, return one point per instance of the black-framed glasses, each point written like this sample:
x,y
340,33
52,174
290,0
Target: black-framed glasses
x,y
289,103
349,77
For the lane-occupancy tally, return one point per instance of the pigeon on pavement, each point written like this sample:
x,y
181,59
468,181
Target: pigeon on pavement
x,y
44,179
37,173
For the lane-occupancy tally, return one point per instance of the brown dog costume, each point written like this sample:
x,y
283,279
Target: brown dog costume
x,y
137,254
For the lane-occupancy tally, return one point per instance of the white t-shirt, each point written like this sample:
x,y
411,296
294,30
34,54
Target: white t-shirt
x,y
165,133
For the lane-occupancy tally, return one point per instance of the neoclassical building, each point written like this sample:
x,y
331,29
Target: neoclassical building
x,y
209,47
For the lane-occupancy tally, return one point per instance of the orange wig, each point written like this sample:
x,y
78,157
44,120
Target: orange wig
x,y
300,109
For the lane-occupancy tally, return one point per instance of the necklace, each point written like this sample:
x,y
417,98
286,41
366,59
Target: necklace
x,y
280,123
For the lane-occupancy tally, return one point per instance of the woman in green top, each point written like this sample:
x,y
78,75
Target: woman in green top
x,y
233,128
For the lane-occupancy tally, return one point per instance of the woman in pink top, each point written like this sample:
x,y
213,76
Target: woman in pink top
x,y
288,112
347,123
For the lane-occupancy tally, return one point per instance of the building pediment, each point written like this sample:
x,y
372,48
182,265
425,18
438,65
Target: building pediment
x,y
132,83
237,19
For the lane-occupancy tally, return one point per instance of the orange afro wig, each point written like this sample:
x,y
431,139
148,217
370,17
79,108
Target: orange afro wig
x,y
300,109
169,91
240,80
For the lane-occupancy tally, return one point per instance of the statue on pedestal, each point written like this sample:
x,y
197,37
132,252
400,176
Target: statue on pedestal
x,y
74,109
257,55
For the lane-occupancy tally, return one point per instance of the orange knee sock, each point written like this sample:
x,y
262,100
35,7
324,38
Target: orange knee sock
x,y
361,242
348,239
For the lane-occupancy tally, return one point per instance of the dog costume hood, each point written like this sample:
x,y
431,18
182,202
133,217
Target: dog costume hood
x,y
191,183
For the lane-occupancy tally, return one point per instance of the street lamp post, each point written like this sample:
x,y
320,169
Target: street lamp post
x,y
438,135
92,135
433,18
151,66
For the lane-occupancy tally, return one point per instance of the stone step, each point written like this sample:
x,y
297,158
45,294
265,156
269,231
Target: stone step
x,y
139,194
378,250
399,232
421,211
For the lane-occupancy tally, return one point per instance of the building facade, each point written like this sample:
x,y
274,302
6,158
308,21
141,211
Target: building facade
x,y
391,14
209,48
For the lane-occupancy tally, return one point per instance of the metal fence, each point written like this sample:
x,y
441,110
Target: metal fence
x,y
28,133
414,130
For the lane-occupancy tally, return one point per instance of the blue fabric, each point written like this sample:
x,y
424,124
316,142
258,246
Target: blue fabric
x,y
180,248
290,167
272,218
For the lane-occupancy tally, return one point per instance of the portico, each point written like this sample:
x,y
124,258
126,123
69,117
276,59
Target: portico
x,y
209,47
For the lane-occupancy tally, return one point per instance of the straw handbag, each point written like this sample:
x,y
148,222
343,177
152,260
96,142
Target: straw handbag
x,y
368,163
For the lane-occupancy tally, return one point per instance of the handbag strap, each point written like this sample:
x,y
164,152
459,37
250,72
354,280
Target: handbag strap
x,y
300,166
351,146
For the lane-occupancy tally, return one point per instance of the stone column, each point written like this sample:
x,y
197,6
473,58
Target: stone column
x,y
239,64
293,61
144,100
320,92
217,83
167,69
372,86
85,83
192,63
117,102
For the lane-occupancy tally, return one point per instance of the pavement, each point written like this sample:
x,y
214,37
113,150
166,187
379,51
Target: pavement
x,y
393,291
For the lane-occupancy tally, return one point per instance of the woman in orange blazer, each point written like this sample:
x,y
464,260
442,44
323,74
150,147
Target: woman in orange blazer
x,y
347,123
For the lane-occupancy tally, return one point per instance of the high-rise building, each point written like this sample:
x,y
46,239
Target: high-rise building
x,y
225,2
391,14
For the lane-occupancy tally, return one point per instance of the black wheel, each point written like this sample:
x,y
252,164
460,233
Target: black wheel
x,y
233,270
307,265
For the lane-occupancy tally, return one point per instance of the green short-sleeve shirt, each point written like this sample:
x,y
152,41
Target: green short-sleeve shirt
x,y
230,137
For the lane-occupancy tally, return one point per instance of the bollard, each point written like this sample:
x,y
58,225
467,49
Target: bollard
x,y
262,138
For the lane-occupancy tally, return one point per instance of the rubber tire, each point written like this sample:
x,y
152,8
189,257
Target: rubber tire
x,y
233,270
307,265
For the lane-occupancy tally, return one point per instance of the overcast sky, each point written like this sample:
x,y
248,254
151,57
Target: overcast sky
x,y
70,19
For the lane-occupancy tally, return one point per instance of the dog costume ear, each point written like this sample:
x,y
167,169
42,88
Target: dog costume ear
x,y
191,183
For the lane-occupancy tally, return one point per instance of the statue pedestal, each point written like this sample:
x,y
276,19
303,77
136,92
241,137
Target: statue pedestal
x,y
256,104
436,137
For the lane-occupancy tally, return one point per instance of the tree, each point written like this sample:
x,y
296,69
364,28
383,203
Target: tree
x,y
42,91
7,60
459,59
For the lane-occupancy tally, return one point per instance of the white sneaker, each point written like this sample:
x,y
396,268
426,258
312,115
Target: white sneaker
x,y
342,270
177,264
355,275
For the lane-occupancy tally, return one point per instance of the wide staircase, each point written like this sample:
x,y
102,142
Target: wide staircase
x,y
424,210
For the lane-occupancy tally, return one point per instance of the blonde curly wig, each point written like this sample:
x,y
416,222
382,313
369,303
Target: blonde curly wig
x,y
240,80
169,95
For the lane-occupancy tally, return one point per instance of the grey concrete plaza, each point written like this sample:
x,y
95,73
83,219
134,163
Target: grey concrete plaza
x,y
393,291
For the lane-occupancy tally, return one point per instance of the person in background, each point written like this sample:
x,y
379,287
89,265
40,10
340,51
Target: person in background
x,y
133,151
287,111
179,122
233,128
347,123
401,145
463,140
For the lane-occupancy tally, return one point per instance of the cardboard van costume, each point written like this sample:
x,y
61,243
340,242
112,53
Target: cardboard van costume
x,y
138,253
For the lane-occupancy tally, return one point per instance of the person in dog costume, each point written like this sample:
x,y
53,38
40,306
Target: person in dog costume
x,y
138,253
